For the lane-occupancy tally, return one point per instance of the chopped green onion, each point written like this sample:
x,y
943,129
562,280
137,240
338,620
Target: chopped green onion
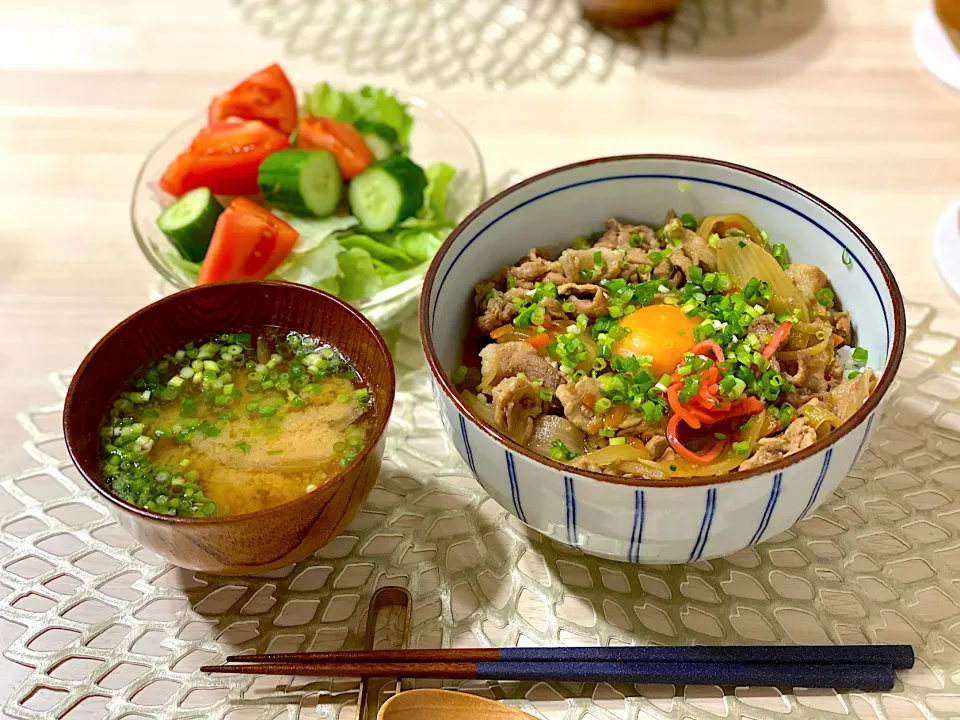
x,y
460,374
607,432
559,451
787,411
688,221
602,405
860,355
546,395
825,296
741,448
244,447
845,258
618,441
569,307
779,252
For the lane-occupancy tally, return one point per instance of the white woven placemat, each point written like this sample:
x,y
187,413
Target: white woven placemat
x,y
501,43
112,630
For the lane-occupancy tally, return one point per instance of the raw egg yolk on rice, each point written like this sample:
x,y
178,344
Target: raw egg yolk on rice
x,y
662,332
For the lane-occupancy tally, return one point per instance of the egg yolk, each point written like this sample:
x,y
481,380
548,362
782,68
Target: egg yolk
x,y
662,332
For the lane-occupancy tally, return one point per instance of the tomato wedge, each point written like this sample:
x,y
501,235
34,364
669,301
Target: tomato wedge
x,y
249,242
224,157
266,96
174,177
342,139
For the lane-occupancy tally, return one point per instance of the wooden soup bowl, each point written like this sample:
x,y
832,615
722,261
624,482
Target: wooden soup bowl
x,y
252,542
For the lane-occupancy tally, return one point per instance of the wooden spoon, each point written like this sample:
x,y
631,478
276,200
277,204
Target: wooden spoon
x,y
446,705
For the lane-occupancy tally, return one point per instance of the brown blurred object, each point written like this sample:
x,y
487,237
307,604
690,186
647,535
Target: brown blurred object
x,y
949,13
631,13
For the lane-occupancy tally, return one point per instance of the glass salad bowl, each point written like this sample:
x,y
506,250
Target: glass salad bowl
x,y
436,137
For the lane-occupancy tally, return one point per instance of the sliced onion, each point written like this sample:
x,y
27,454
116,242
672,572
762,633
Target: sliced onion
x,y
805,327
647,469
718,467
611,454
593,352
549,428
820,418
850,395
752,261
799,336
509,333
758,429
512,336
741,222
483,410
812,350
486,381
770,424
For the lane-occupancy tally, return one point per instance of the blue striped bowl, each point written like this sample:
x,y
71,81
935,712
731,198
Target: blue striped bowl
x,y
685,519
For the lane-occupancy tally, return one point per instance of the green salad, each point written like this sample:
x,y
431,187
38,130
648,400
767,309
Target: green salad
x,y
322,192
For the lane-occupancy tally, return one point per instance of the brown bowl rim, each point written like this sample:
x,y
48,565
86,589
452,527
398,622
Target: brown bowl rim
x,y
890,371
173,300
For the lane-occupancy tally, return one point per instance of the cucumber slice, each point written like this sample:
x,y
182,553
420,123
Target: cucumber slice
x,y
378,146
189,222
380,138
301,182
387,192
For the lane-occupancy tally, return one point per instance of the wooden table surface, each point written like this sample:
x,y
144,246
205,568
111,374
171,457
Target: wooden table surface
x,y
825,93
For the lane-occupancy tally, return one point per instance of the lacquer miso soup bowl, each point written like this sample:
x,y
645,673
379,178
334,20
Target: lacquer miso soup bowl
x,y
263,539
674,519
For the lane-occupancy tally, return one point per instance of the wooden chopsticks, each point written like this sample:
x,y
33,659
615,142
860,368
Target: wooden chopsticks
x,y
864,667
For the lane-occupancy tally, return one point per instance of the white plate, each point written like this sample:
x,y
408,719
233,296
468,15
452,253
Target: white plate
x,y
935,49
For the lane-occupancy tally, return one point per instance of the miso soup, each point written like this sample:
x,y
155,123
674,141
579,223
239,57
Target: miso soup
x,y
234,424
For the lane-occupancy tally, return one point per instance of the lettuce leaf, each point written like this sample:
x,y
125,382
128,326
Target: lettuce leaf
x,y
360,274
314,232
388,253
325,101
439,176
373,105
422,244
313,258
192,269
379,105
